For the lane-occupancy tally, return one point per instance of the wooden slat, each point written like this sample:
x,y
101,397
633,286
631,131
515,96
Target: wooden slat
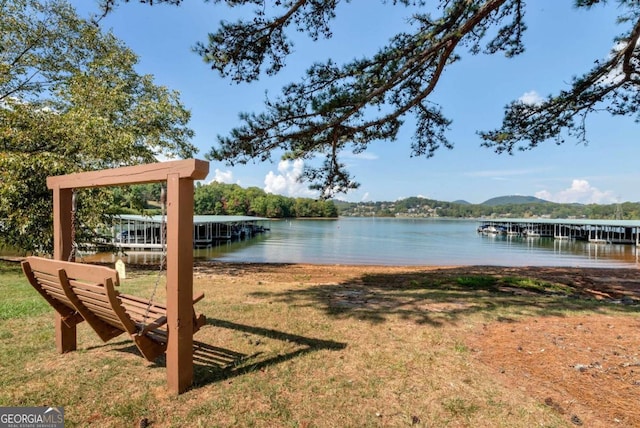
x,y
90,295
151,319
140,303
104,330
110,317
57,295
132,298
113,321
44,277
55,292
83,285
140,314
48,281
143,309
150,347
98,308
100,311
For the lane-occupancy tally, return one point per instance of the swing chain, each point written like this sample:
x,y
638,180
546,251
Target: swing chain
x,y
74,209
163,257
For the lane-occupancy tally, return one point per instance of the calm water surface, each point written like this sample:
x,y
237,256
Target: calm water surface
x,y
390,241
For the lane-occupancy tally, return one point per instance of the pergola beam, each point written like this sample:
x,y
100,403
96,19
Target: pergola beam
x,y
194,169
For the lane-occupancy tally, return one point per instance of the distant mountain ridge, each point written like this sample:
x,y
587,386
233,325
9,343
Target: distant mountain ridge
x,y
512,200
514,206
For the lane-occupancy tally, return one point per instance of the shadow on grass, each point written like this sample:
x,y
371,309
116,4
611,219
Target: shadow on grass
x,y
215,364
446,295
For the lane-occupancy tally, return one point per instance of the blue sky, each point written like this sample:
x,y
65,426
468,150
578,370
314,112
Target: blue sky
x,y
561,42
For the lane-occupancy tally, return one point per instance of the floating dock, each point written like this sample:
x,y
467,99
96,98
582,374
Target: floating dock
x,y
595,231
141,233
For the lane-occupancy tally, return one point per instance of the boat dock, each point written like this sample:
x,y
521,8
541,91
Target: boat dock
x,y
595,231
141,233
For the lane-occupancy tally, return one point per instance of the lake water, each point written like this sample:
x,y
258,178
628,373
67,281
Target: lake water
x,y
390,241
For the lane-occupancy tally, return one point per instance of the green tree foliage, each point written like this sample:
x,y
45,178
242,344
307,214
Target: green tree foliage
x,y
137,199
336,108
71,100
230,199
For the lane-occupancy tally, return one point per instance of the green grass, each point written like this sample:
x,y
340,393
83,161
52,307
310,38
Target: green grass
x,y
18,298
478,282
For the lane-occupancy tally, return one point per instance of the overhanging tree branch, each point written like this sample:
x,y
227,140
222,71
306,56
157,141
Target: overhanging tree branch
x,y
613,84
333,107
336,108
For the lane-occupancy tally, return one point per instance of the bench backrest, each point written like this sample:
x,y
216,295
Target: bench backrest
x,y
89,289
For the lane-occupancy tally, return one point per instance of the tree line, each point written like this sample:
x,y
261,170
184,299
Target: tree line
x,y
223,199
422,207
231,199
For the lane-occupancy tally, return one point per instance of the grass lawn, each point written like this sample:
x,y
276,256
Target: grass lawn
x,y
298,346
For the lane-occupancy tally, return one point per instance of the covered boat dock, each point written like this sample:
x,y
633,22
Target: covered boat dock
x,y
595,231
137,232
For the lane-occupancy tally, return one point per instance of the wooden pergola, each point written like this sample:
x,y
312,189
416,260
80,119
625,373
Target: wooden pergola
x,y
179,176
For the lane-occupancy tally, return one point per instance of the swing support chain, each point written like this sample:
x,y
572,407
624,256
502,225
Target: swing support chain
x,y
163,257
74,210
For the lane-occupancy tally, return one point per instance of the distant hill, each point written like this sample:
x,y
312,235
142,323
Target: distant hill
x,y
461,202
512,200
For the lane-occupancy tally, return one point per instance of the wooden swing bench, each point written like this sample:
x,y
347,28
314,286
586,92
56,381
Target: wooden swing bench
x,y
81,292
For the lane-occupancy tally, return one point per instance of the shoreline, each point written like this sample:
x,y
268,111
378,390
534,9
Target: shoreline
x,y
598,282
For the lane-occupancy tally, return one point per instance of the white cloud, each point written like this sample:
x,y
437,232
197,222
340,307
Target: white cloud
x,y
286,182
580,191
223,176
531,98
365,197
544,194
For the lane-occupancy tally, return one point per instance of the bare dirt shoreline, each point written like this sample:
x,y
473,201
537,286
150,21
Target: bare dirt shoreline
x,y
599,283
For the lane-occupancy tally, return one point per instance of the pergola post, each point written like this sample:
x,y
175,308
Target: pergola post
x,y
179,283
66,337
179,176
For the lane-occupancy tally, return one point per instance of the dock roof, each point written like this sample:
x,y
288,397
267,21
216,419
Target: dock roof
x,y
565,221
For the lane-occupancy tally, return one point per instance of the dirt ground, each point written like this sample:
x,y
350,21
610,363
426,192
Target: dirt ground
x,y
585,367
